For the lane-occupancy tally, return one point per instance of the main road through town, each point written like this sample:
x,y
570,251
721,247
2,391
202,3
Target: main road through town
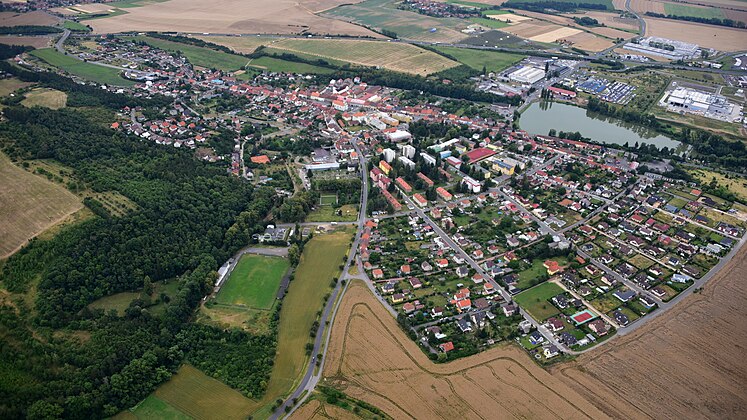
x,y
314,373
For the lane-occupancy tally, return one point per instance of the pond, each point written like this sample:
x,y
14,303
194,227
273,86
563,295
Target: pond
x,y
540,117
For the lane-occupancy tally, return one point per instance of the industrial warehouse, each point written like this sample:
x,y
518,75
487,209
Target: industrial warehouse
x,y
663,47
707,104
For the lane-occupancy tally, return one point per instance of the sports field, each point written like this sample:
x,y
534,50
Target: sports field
x,y
319,264
535,300
254,282
48,98
477,59
29,204
199,56
99,74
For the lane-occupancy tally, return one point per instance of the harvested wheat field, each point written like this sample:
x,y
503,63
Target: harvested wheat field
x,y
231,16
32,41
393,56
32,18
612,20
567,21
555,35
29,204
718,37
643,6
510,17
371,359
588,42
687,363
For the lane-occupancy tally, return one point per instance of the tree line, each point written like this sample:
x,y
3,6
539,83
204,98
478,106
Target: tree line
x,y
699,19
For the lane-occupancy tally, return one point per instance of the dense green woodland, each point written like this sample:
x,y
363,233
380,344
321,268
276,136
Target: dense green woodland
x,y
60,359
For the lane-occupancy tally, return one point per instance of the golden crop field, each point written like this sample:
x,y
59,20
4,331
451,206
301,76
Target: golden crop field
x,y
29,204
394,56
371,359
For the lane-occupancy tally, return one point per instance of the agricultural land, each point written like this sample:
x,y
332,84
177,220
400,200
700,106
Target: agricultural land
x,y
370,358
230,16
30,204
104,75
393,56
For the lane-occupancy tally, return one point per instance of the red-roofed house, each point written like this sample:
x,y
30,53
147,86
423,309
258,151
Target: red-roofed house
x,y
260,160
446,347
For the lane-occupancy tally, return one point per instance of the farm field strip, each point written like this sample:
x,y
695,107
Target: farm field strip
x,y
318,265
399,57
29,204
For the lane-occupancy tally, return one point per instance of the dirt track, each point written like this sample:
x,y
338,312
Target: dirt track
x,y
688,363
371,359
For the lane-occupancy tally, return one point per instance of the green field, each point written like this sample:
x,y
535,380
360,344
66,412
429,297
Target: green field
x,y
254,282
327,200
98,74
75,26
120,301
383,14
490,23
494,61
535,300
319,264
192,394
692,11
155,408
283,66
349,213
199,56
48,98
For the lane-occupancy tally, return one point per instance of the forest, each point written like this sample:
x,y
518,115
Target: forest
x,y
59,358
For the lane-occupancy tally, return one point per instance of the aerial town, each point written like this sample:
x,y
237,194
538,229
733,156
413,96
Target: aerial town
x,y
384,209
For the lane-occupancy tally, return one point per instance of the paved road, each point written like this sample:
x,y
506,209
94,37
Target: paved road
x,y
311,378
641,22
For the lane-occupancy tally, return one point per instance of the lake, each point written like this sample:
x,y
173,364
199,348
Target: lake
x,y
540,117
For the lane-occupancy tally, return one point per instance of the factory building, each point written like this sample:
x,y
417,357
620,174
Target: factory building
x,y
527,75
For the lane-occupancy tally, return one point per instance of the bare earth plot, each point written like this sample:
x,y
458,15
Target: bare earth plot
x,y
371,359
612,20
32,18
718,37
32,41
29,204
393,56
589,42
687,363
567,20
231,16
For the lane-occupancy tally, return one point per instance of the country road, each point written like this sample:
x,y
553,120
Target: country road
x,y
313,374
